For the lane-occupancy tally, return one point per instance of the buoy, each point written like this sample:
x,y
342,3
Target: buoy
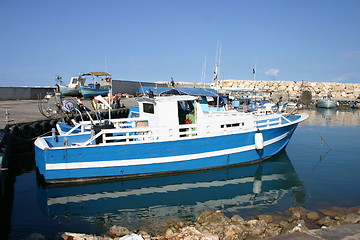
x,y
259,140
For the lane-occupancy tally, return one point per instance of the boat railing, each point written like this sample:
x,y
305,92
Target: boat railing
x,y
141,133
117,135
270,122
85,126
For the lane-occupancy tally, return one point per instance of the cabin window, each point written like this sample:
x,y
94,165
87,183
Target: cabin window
x,y
148,108
186,111
232,125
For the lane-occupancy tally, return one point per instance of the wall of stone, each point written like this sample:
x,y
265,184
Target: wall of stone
x,y
340,91
348,91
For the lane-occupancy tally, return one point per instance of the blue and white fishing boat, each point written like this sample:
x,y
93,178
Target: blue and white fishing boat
x,y
73,88
172,134
94,90
101,84
87,85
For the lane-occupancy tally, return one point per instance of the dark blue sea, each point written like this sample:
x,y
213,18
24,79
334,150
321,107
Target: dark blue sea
x,y
320,168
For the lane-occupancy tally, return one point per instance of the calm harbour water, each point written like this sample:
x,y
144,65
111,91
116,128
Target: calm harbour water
x,y
319,169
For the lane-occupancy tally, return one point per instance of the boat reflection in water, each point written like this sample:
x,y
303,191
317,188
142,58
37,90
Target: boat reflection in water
x,y
326,112
178,196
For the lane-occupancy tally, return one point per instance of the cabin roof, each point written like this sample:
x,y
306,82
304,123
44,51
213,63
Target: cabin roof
x,y
208,92
167,98
96,74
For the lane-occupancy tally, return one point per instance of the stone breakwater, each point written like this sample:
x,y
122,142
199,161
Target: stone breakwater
x,y
212,225
340,91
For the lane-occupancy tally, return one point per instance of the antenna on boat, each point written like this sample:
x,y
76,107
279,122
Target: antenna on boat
x,y
254,77
58,79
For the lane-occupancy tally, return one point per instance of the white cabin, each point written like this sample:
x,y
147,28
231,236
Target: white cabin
x,y
173,115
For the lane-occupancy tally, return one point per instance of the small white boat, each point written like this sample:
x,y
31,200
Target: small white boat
x,y
171,134
326,102
73,88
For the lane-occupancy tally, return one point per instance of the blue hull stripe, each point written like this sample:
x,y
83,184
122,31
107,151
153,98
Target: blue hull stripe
x,y
133,162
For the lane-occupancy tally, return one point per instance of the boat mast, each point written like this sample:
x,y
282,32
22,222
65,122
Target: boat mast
x,y
254,77
203,74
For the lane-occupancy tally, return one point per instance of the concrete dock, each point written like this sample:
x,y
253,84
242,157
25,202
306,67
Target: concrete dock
x,y
13,112
24,111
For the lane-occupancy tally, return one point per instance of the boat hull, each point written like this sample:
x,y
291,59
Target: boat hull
x,y
67,91
96,162
89,92
326,104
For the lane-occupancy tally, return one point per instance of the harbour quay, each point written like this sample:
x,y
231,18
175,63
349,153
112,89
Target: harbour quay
x,y
19,105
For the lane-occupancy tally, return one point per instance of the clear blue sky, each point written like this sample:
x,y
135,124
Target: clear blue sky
x,y
151,40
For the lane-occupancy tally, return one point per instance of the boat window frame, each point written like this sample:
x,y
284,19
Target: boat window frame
x,y
148,108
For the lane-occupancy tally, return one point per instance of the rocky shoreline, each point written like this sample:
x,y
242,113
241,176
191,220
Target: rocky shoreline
x,y
296,223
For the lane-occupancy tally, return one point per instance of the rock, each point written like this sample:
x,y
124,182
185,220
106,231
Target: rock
x,y
284,224
64,236
209,217
144,235
333,212
236,219
212,222
118,231
81,236
235,232
169,233
295,216
35,236
301,210
273,230
328,222
355,210
266,218
348,218
297,226
256,227
314,216
189,233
